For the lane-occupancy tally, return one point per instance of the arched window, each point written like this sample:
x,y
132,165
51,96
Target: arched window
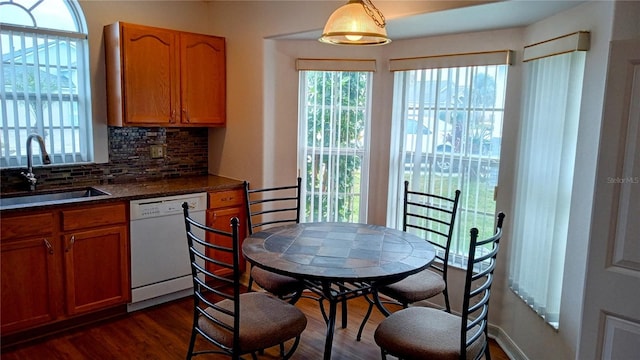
x,y
45,81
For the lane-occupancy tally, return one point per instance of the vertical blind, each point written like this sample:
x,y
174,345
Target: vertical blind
x,y
544,177
333,145
448,113
45,91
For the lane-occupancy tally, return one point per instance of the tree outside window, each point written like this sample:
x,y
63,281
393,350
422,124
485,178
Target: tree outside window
x,y
333,146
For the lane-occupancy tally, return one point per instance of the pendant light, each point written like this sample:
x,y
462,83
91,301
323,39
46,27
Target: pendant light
x,y
358,22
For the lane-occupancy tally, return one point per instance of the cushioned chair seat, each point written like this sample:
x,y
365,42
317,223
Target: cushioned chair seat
x,y
416,287
279,285
265,321
436,336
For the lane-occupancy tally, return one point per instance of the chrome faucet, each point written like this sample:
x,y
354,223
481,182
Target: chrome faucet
x,y
29,175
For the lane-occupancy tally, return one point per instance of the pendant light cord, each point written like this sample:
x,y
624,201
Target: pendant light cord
x,y
369,8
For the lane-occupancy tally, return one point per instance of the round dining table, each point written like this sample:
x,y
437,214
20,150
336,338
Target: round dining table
x,y
338,261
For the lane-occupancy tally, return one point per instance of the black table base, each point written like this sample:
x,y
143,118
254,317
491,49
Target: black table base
x,y
339,293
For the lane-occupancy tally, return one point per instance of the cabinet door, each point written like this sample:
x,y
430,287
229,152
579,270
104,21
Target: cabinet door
x,y
150,75
221,219
29,289
203,79
96,267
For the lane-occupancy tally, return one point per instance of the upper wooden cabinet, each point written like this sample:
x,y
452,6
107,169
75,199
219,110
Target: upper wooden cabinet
x,y
161,77
203,79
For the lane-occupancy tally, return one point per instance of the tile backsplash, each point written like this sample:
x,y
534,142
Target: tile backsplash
x,y
185,154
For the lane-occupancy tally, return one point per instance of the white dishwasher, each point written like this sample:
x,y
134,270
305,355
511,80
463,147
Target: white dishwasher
x,y
160,269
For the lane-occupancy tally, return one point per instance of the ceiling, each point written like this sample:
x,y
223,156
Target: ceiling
x,y
485,16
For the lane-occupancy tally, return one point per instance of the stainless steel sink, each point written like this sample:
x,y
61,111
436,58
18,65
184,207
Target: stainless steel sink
x,y
63,196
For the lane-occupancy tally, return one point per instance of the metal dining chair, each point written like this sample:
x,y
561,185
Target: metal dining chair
x,y
234,323
272,206
426,333
268,207
432,217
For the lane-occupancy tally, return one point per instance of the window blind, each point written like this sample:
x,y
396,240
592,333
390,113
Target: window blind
x,y
544,178
333,138
446,135
45,91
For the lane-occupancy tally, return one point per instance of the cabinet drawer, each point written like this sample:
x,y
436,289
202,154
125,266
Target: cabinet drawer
x,y
93,216
27,226
221,199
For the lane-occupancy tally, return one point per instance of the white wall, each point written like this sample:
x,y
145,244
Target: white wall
x,y
595,17
245,148
259,142
535,340
508,311
179,15
286,83
254,89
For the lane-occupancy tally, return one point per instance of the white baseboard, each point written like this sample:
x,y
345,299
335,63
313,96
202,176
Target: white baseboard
x,y
508,346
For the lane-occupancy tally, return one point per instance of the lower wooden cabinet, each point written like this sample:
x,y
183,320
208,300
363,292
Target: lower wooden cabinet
x,y
30,284
96,257
62,263
223,206
96,271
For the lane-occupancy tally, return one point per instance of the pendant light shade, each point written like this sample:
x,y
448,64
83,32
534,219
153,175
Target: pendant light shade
x,y
356,23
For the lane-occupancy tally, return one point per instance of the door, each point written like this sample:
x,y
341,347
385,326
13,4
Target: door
x,y
203,80
29,286
96,269
220,219
150,75
611,318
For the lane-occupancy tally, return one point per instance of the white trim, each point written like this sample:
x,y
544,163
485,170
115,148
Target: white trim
x,y
578,41
336,64
452,60
42,31
506,343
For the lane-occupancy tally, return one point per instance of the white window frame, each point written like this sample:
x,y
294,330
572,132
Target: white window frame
x,y
430,167
325,186
60,97
554,70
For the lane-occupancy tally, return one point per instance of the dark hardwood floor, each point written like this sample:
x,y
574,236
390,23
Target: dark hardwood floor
x,y
162,332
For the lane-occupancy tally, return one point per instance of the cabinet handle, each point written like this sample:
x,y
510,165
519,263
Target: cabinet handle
x,y
185,115
71,242
173,116
48,245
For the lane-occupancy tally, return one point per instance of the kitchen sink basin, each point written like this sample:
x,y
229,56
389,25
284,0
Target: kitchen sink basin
x,y
63,196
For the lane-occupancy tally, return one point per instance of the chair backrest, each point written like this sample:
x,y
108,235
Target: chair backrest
x,y
477,288
210,288
274,205
433,217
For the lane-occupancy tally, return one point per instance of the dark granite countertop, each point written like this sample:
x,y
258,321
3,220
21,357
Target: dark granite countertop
x,y
137,190
178,186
